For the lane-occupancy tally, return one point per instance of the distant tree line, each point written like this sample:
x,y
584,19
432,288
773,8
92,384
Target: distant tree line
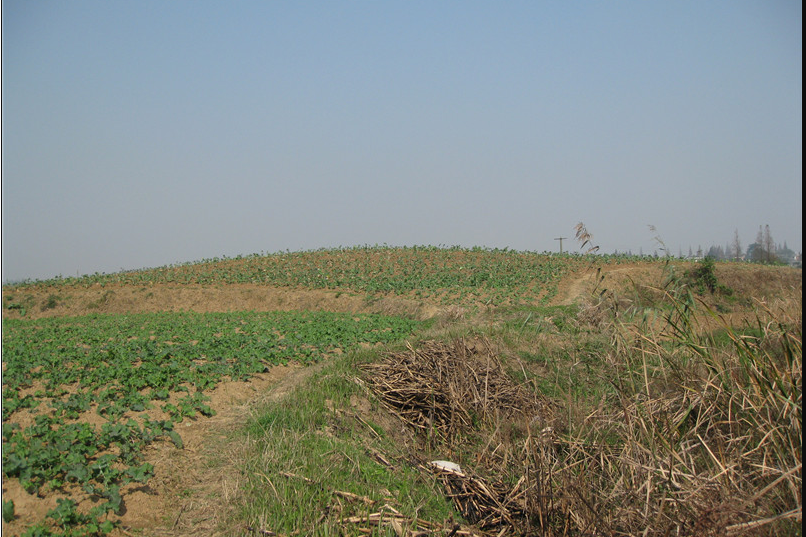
x,y
763,250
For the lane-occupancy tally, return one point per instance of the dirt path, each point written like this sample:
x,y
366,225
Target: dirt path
x,y
617,278
576,288
579,285
194,488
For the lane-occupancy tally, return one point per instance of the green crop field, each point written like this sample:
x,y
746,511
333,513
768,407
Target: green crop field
x,y
450,274
124,368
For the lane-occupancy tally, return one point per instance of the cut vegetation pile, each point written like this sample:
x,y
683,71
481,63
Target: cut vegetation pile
x,y
448,392
442,390
445,391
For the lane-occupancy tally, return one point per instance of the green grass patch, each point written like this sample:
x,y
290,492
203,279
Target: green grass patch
x,y
315,445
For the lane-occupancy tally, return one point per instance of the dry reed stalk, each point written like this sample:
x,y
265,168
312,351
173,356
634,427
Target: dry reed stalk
x,y
389,517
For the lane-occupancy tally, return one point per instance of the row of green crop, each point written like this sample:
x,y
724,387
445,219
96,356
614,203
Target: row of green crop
x,y
370,269
125,367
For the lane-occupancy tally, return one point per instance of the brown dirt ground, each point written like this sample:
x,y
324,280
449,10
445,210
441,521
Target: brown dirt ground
x,y
190,496
68,301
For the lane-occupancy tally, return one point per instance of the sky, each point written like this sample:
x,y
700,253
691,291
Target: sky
x,y
142,134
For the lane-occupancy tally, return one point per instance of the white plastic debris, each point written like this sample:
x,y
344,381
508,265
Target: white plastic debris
x,y
447,465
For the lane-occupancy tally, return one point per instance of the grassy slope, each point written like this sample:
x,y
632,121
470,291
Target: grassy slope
x,y
332,431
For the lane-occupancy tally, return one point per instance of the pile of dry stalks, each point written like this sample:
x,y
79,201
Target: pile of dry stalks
x,y
446,392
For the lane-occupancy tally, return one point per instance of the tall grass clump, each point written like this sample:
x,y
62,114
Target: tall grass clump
x,y
702,434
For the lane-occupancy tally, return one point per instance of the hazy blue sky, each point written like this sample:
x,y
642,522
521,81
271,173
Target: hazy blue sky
x,y
144,133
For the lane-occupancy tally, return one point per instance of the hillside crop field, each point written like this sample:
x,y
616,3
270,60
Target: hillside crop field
x,y
308,394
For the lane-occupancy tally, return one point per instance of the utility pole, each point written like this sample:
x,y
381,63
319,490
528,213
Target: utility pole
x,y
561,239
